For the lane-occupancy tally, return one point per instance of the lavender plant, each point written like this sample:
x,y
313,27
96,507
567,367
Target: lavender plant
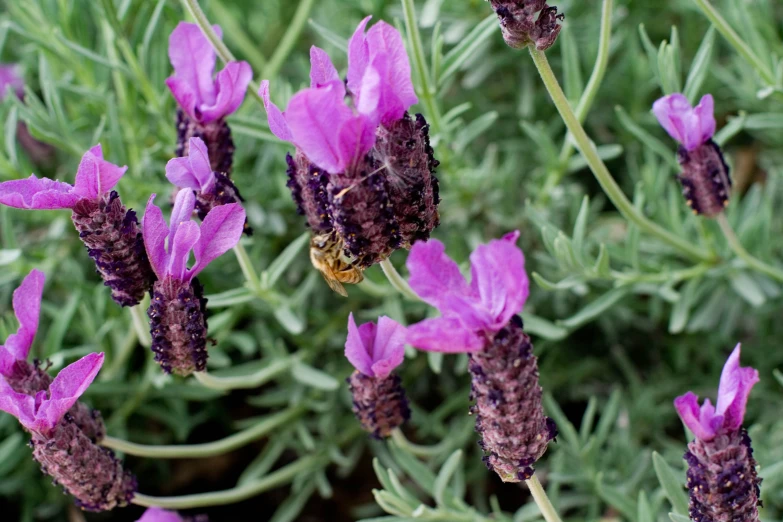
x,y
537,117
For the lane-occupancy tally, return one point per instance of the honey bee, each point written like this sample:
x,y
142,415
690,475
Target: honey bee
x,y
326,254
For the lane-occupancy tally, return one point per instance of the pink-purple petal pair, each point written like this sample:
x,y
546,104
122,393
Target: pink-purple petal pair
x,y
205,100
375,350
705,176
363,172
177,311
85,470
109,230
480,318
722,476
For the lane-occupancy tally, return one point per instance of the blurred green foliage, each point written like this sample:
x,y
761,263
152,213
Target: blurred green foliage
x,y
622,323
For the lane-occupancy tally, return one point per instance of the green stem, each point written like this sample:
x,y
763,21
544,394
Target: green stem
x,y
542,500
288,40
419,60
587,98
236,494
743,254
249,381
416,449
141,324
736,41
397,281
247,269
597,166
209,449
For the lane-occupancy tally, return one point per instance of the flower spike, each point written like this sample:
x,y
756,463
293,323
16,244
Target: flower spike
x,y
722,476
205,101
705,176
520,26
375,350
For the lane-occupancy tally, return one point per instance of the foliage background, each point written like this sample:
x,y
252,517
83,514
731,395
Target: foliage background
x,y
617,342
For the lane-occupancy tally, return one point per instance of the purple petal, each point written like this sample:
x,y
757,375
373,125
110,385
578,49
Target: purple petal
x,y
498,276
95,175
387,54
358,58
277,123
232,84
39,194
193,172
184,204
322,70
388,348
193,60
27,307
19,405
155,514
186,238
180,174
436,278
313,115
734,389
691,127
220,232
356,347
66,389
355,138
155,232
688,408
11,77
444,334
184,94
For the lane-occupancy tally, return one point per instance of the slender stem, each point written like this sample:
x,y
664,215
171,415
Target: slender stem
x,y
586,100
236,494
736,41
141,324
247,268
743,254
539,495
416,449
209,449
420,61
288,40
249,381
397,281
597,166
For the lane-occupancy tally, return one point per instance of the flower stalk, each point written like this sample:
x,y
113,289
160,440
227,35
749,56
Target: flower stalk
x,y
542,500
742,253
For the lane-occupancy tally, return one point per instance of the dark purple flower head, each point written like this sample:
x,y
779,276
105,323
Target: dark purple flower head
x,y
470,313
375,349
95,177
691,126
708,421
10,78
41,413
27,308
521,27
203,97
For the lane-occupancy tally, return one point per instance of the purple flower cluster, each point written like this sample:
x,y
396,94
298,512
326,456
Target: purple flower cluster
x,y
521,27
363,170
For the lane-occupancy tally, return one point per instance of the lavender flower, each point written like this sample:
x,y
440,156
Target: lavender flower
x,y
11,79
722,475
521,28
365,170
205,101
212,189
705,178
177,321
480,318
90,473
155,514
109,231
379,401
30,379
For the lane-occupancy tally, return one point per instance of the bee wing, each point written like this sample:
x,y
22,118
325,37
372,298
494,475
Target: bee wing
x,y
335,285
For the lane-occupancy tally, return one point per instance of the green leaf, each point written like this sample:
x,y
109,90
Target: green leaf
x,y
474,129
671,483
580,225
277,267
310,376
654,144
679,518
700,66
8,256
595,308
455,58
543,328
747,288
289,320
439,492
645,512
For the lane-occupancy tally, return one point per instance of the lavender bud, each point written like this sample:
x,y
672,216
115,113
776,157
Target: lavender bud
x,y
363,214
521,28
224,193
90,473
509,416
722,478
705,178
379,403
308,188
404,149
217,136
178,326
113,239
